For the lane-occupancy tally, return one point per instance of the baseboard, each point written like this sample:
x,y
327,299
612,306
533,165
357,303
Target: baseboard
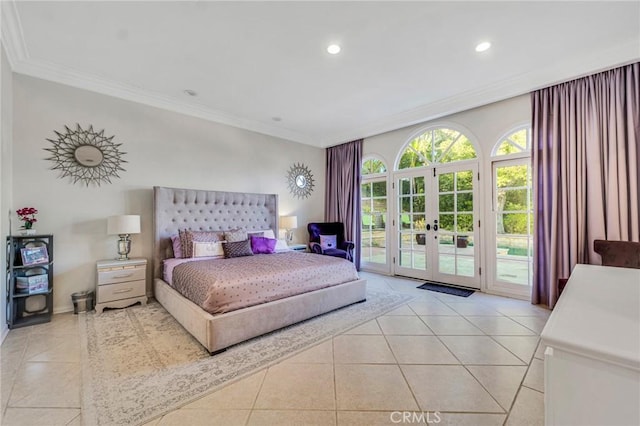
x,y
5,333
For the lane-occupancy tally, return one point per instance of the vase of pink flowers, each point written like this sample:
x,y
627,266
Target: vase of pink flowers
x,y
28,217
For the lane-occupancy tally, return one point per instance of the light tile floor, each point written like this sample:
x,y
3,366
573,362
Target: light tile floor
x,y
440,359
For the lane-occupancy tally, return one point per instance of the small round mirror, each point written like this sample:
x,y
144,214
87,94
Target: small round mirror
x,y
88,155
301,181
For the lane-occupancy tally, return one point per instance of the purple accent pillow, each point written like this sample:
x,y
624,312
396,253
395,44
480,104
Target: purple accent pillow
x,y
262,245
177,247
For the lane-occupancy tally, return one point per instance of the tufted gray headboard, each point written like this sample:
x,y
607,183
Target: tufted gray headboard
x,y
175,208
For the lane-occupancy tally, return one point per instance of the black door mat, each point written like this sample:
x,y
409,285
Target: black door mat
x,y
443,288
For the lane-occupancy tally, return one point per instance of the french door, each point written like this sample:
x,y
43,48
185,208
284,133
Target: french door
x,y
436,224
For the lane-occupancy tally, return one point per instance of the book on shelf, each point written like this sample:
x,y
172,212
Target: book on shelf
x,y
32,284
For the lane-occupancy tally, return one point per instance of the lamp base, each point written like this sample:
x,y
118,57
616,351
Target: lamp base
x,y
124,247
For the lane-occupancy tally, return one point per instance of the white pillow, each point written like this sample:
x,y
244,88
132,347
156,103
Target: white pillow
x,y
268,233
328,241
202,249
281,246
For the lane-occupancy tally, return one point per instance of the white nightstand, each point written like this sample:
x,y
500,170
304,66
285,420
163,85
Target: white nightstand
x,y
298,247
121,283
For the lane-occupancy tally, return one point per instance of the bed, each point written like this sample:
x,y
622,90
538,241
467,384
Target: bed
x,y
176,209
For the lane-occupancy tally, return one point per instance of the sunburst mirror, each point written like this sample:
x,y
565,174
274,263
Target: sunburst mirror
x,y
86,156
300,181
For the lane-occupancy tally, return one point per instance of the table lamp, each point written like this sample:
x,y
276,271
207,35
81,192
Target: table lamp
x,y
123,226
288,223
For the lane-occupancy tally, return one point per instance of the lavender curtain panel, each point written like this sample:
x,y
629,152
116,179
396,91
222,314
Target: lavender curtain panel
x,y
586,161
342,191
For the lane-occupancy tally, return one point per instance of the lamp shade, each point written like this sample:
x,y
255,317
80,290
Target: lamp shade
x,y
288,222
124,224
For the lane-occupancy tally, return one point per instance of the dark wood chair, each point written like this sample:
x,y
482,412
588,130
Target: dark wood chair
x,y
623,254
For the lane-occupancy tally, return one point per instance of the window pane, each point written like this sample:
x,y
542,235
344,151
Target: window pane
x,y
366,207
462,150
446,222
445,182
405,186
514,223
418,204
418,185
514,199
405,221
379,189
410,159
380,205
405,240
446,203
447,264
405,204
373,166
465,266
465,223
511,176
513,272
366,190
465,202
465,181
419,260
405,259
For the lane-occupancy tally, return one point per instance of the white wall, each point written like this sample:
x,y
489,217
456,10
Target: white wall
x,y
483,125
6,90
162,148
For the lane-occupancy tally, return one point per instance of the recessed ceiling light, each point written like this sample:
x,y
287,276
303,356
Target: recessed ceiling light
x,y
190,92
276,118
485,45
334,49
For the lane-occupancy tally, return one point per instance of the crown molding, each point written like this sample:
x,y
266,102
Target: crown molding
x,y
70,77
571,68
11,33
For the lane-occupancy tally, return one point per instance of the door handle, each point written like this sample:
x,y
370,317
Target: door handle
x,y
428,226
435,227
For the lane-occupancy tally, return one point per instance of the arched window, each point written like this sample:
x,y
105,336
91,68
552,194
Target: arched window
x,y
517,142
513,211
373,166
374,204
439,145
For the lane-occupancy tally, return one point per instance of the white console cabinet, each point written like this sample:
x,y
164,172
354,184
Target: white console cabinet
x,y
592,356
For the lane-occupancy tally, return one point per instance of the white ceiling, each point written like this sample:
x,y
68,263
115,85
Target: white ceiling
x,y
401,62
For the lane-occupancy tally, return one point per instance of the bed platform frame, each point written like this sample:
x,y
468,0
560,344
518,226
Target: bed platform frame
x,y
215,211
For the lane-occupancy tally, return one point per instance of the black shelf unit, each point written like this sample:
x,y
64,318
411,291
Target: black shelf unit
x,y
29,287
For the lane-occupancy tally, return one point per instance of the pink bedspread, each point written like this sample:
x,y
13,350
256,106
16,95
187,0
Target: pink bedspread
x,y
224,285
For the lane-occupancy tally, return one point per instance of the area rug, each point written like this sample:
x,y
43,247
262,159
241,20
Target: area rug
x,y
139,363
442,288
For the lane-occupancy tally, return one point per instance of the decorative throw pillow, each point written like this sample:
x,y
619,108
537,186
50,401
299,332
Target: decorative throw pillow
x,y
237,249
199,236
255,234
208,249
182,236
328,241
261,245
177,247
235,235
